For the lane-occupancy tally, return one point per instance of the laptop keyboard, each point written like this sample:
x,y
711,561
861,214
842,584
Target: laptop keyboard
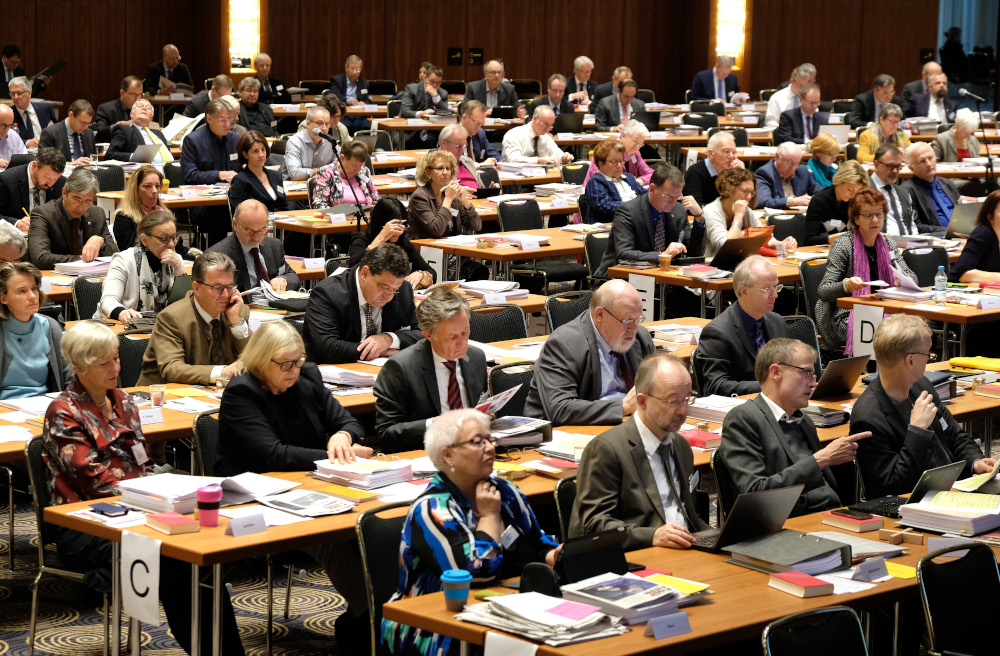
x,y
884,507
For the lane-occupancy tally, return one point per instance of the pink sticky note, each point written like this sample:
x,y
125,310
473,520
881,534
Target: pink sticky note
x,y
573,610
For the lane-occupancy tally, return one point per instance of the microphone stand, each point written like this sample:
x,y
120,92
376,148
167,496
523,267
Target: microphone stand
x,y
991,182
359,213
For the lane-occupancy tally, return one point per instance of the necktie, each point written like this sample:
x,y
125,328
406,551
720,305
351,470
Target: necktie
x,y
165,155
809,126
169,73
659,235
722,90
878,110
625,109
369,321
468,148
535,146
216,355
77,146
27,130
454,394
625,369
74,228
903,228
258,263
758,335
36,197
666,453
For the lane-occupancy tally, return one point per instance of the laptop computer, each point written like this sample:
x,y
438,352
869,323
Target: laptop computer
x,y
753,514
145,153
650,119
840,376
590,555
737,249
368,140
963,218
504,112
842,133
937,479
569,122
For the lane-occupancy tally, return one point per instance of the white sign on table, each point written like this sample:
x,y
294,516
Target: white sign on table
x,y
646,287
140,572
866,320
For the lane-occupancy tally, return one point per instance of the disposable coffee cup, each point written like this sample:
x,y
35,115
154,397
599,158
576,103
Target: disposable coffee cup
x,y
665,261
455,583
209,500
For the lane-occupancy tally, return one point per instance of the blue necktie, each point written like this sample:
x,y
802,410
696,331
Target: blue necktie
x,y
722,91
77,146
758,337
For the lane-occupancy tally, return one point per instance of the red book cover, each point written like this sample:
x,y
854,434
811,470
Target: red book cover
x,y
560,463
702,439
800,579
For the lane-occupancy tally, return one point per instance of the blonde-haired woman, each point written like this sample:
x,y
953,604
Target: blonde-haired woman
x,y
141,196
827,213
823,165
441,207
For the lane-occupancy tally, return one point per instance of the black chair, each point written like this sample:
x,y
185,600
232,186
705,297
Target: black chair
x,y
826,106
229,203
565,494
789,225
956,627
333,264
740,135
173,172
811,272
594,247
495,323
708,107
525,215
696,386
315,87
924,262
310,188
843,105
765,94
503,377
574,173
527,89
111,178
584,204
830,631
383,138
704,121
18,160
379,532
851,151
454,87
645,95
86,296
944,127
724,483
48,563
393,107
489,176
803,329
130,353
563,308
382,87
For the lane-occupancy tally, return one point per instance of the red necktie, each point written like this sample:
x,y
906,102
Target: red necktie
x,y
626,370
535,142
454,394
258,263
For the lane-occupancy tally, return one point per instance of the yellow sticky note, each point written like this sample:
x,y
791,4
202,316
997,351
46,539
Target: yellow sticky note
x,y
683,586
186,391
900,571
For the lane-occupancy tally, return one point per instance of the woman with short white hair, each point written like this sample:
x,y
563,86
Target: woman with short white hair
x,y
958,143
633,136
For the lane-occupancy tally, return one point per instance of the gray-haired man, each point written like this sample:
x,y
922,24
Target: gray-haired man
x,y
72,228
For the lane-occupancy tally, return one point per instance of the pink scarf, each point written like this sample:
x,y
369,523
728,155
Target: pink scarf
x,y
863,271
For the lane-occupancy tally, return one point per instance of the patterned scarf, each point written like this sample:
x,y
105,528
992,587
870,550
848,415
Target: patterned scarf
x,y
863,270
157,287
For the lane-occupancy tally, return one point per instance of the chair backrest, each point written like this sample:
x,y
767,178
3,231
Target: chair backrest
x,y
740,135
851,151
565,494
830,631
803,329
645,95
456,87
704,121
564,307
584,204
520,215
944,127
574,173
314,87
503,377
708,107
724,483
172,171
383,139
278,146
696,371
182,285
382,87
789,225
298,323
826,106
489,176
393,107
765,94
130,352
811,272
527,89
111,178
687,94
206,441
332,265
924,261
594,247
310,189
494,323
229,203
842,105
379,534
38,476
86,296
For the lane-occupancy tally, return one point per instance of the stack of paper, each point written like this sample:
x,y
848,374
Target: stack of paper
x,y
586,227
33,406
162,492
479,288
12,433
98,267
364,473
517,431
564,188
624,595
713,408
963,513
341,376
824,417
565,445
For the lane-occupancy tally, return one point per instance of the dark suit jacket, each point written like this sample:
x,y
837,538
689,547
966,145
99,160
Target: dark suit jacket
x,y
49,239
770,193
108,114
920,104
203,155
151,84
790,126
756,453
274,260
608,113
14,192
727,354
823,207
567,383
338,87
703,87
259,117
603,91
893,458
415,99
197,104
604,197
565,106
616,488
632,235
914,88
45,119
406,394
36,87
55,136
126,138
482,149
333,319
278,93
927,216
571,86
246,185
863,110
506,95
699,183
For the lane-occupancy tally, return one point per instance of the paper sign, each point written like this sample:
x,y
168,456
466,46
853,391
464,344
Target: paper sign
x,y
901,571
494,299
668,626
177,96
646,286
564,135
248,525
435,259
414,121
870,570
151,416
140,572
750,120
46,284
933,544
866,320
254,325
561,202
338,218
380,157
988,302
370,108
529,244
499,644
188,192
313,262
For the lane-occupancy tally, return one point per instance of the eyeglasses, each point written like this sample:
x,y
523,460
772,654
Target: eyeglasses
x,y
288,364
869,216
478,442
18,94
166,239
219,289
729,151
931,357
776,289
810,373
673,403
386,290
253,233
322,124
891,167
626,323
4,126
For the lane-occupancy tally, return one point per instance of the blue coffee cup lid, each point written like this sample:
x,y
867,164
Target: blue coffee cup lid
x,y
455,576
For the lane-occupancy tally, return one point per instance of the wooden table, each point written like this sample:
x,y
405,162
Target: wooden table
x,y
386,183
353,110
589,139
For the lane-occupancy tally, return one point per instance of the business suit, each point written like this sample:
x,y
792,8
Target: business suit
x,y
914,88
14,195
49,239
945,149
705,86
108,114
333,319
825,207
338,87
615,487
572,87
258,117
726,353
180,347
415,99
771,193
927,216
567,383
24,127
246,185
482,149
863,110
758,456
603,91
790,127
920,106
127,138
608,113
506,94
273,91
55,136
407,395
274,261
197,104
897,453
204,155
906,209
180,75
564,107
632,233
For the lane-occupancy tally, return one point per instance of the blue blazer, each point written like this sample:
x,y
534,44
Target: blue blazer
x,y
246,185
338,87
482,149
790,125
703,86
45,119
770,192
605,199
203,155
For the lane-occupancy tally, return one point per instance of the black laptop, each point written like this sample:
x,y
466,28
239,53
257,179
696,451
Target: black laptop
x,y
568,122
937,479
840,376
753,514
735,250
504,112
650,119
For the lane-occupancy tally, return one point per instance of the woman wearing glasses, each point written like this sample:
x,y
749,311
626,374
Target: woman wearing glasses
x,y
141,196
441,207
253,180
885,132
862,255
140,278
331,190
462,521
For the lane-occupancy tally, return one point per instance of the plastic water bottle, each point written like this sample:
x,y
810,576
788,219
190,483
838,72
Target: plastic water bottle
x,y
940,286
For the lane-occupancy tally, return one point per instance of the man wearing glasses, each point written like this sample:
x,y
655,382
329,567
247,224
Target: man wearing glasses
x,y
29,117
493,90
305,152
902,216
351,88
364,313
531,143
10,142
586,371
128,138
801,124
72,228
784,182
208,155
639,475
200,337
912,431
769,443
118,111
258,258
72,135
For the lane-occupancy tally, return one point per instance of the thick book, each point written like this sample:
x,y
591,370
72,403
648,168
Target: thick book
x,y
553,467
698,271
800,585
702,439
786,550
622,595
992,390
856,525
172,523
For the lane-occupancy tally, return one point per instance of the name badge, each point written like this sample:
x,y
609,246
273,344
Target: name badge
x,y
232,157
139,450
273,123
364,92
509,537
239,526
279,189
150,416
943,422
280,87
454,212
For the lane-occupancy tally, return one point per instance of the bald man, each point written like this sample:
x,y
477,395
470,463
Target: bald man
x,y
920,86
10,142
171,68
531,143
592,385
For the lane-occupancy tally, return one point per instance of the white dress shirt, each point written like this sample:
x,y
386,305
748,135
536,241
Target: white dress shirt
x,y
376,316
671,504
935,110
32,116
442,375
780,101
518,145
239,331
892,223
624,190
778,413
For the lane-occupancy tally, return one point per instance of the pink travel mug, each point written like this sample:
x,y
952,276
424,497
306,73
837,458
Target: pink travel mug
x,y
209,500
